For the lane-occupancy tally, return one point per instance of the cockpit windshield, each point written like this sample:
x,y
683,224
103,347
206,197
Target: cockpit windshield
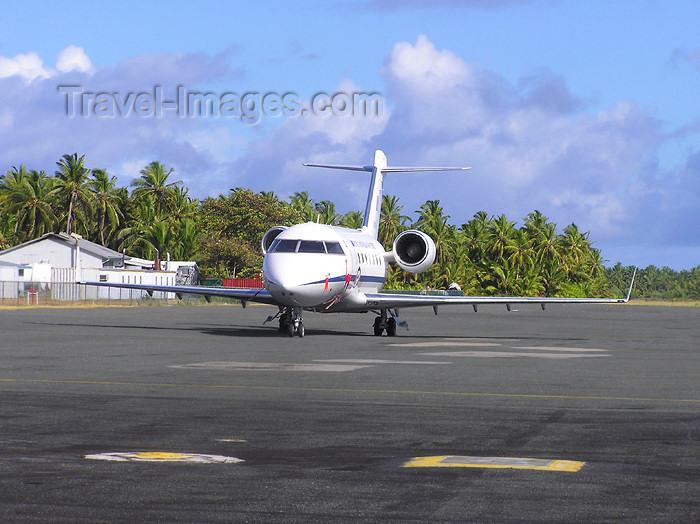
x,y
311,246
333,248
286,245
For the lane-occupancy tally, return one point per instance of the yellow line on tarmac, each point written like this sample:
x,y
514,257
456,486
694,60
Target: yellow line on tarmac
x,y
340,390
447,461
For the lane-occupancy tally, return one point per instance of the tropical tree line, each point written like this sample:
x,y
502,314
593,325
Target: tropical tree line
x,y
656,283
156,217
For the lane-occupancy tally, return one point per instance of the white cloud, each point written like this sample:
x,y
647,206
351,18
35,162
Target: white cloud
x,y
27,66
30,67
532,144
73,58
35,130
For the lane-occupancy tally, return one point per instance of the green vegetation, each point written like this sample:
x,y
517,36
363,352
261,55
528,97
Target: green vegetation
x,y
654,283
488,255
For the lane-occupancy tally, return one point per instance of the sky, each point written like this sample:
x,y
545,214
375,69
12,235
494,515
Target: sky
x,y
586,111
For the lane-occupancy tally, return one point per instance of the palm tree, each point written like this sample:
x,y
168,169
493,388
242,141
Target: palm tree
x,y
7,227
535,224
475,236
181,205
429,215
71,189
12,178
11,181
391,221
325,212
153,239
304,205
553,275
154,183
352,220
501,233
520,250
547,247
107,203
183,240
529,283
573,248
433,222
29,201
502,278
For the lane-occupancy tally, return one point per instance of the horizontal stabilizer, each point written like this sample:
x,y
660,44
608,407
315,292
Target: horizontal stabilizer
x,y
389,169
379,168
419,169
346,168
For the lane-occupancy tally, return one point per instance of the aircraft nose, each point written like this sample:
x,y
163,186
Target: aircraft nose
x,y
290,282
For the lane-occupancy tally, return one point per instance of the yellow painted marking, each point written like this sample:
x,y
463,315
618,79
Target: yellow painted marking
x,y
164,456
450,461
160,455
338,390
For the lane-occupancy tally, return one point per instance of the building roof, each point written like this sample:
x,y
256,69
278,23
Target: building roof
x,y
85,245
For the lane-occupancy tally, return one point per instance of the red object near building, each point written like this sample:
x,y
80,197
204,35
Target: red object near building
x,y
254,283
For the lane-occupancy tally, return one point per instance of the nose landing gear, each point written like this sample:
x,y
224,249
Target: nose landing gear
x,y
291,322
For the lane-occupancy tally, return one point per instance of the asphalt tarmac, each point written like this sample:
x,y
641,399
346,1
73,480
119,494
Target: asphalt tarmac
x,y
325,425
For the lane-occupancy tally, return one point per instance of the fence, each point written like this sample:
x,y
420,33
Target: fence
x,y
20,294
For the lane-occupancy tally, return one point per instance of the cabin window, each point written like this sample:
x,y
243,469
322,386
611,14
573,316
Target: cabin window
x,y
103,278
311,246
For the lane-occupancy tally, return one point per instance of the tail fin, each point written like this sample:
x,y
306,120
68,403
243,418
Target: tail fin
x,y
379,168
373,207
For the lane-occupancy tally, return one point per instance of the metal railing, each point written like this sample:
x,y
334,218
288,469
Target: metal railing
x,y
23,294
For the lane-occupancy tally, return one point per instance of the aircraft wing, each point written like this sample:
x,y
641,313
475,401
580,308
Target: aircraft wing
x,y
244,294
391,300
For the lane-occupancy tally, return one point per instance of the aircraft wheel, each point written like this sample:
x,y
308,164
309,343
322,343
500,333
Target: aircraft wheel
x,y
378,327
290,329
300,330
391,328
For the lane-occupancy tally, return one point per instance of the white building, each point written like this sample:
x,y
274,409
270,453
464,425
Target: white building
x,y
58,261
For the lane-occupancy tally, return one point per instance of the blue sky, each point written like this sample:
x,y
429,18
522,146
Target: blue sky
x,y
586,111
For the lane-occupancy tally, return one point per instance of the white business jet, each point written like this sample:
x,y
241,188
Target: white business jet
x,y
331,269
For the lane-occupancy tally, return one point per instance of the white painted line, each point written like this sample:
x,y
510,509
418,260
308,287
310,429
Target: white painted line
x,y
378,361
159,456
444,343
553,348
511,354
270,366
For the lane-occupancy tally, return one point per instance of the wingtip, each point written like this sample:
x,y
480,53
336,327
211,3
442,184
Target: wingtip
x,y
629,291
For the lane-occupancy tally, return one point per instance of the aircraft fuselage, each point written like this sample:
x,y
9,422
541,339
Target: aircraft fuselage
x,y
322,267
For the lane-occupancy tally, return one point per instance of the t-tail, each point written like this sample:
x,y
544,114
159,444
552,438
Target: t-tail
x,y
379,169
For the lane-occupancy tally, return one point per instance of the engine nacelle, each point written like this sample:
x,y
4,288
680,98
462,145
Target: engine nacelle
x,y
414,251
269,236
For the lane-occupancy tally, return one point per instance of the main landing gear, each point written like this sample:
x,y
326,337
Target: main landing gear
x,y
291,322
387,321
